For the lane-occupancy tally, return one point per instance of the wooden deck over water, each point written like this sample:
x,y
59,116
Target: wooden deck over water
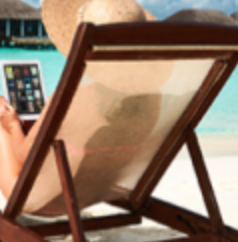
x,y
18,41
31,41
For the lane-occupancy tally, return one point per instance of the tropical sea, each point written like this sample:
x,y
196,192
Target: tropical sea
x,y
222,117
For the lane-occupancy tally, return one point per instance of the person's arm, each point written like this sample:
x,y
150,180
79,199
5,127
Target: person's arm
x,y
26,144
10,165
10,122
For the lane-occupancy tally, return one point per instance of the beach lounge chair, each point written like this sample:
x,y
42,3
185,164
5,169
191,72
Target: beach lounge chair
x,y
116,170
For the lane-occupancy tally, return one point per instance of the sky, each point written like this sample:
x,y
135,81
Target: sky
x,y
164,8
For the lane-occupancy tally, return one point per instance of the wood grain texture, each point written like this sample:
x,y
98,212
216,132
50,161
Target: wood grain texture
x,y
203,178
165,33
156,55
91,224
70,198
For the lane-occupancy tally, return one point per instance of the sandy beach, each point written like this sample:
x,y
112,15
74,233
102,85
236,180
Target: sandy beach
x,y
179,186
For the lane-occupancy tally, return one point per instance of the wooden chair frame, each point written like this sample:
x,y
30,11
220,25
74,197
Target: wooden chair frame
x,y
150,41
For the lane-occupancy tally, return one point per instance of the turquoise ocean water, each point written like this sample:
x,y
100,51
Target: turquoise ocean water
x,y
222,118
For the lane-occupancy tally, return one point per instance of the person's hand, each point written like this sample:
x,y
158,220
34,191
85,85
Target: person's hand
x,y
8,116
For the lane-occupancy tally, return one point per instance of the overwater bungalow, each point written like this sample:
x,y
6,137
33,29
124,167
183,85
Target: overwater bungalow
x,y
20,23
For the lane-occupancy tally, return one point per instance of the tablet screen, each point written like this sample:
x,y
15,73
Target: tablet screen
x,y
24,88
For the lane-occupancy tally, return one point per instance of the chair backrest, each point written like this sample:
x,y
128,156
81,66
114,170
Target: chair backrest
x,y
110,147
119,129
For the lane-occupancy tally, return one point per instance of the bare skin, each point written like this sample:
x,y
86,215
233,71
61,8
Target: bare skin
x,y
15,145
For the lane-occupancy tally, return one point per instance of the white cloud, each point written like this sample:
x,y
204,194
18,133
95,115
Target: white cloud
x,y
164,8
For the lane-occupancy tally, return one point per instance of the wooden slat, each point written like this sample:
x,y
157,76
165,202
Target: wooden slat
x,y
165,33
161,48
70,197
161,212
12,232
92,224
153,52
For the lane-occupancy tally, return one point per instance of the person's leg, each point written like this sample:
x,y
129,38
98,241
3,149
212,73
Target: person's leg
x,y
11,136
14,145
10,165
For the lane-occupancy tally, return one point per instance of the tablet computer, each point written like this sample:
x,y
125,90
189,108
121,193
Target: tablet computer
x,y
23,87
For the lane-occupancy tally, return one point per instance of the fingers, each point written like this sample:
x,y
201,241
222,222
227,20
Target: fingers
x,y
3,101
8,106
1,98
5,108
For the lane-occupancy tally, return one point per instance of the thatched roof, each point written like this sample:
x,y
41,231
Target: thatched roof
x,y
235,15
16,9
202,16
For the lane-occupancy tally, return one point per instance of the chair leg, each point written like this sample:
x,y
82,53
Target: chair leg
x,y
69,193
205,184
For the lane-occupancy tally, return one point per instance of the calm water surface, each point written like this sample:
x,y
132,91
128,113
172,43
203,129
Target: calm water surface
x,y
221,118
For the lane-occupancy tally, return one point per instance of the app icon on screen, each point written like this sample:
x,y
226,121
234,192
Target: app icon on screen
x,y
26,71
17,72
27,82
37,94
22,106
35,82
29,95
13,96
20,84
34,71
11,84
22,95
39,104
31,107
9,72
